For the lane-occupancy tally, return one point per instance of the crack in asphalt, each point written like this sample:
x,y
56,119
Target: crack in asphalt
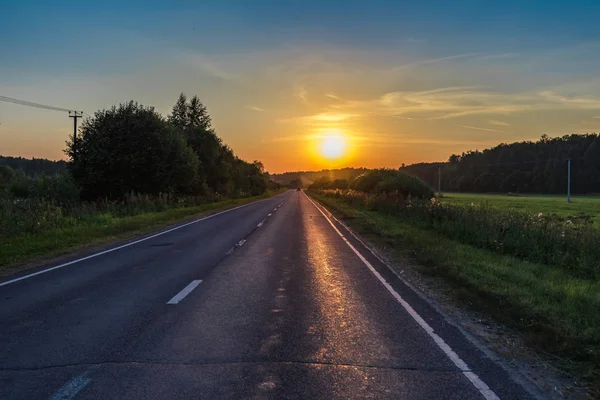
x,y
239,362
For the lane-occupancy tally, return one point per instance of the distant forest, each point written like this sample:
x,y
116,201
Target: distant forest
x,y
308,177
524,167
34,167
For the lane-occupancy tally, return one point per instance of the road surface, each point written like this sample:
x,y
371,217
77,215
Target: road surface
x,y
270,300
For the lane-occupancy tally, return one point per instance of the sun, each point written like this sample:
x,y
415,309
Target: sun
x,y
333,146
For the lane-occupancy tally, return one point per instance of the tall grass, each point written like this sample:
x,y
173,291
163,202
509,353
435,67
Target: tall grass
x,y
34,215
545,239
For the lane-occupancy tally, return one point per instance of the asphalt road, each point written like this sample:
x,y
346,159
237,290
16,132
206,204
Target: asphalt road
x,y
298,309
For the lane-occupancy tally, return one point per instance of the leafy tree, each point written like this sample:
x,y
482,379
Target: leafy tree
x,y
131,148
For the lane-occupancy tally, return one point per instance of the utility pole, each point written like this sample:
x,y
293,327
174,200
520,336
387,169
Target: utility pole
x,y
439,180
569,180
75,115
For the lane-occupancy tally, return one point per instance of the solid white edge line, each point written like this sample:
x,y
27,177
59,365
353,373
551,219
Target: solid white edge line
x,y
124,245
186,290
241,242
455,358
70,389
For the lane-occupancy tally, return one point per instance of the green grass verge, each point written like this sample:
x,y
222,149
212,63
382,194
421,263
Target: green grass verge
x,y
97,230
531,204
553,311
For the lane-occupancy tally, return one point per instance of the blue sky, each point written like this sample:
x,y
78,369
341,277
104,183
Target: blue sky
x,y
405,81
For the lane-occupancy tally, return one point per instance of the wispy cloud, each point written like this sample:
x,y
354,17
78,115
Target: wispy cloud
x,y
453,102
289,138
435,60
416,140
499,56
299,138
596,117
300,92
382,140
254,108
499,123
207,65
479,129
583,102
322,117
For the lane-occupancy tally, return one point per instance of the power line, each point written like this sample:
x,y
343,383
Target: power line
x,y
32,104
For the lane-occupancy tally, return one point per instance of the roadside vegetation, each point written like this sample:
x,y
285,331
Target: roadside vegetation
x,y
92,224
538,273
129,170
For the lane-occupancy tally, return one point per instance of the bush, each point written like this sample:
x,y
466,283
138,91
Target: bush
x,y
60,190
390,181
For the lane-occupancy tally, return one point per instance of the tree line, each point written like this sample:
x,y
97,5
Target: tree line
x,y
523,167
33,167
132,149
305,178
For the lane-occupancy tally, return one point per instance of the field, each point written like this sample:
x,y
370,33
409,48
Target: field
x,y
533,204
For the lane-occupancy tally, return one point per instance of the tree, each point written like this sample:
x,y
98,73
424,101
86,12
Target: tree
x,y
179,115
131,148
198,115
259,166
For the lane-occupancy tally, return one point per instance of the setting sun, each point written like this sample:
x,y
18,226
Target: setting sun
x,y
333,146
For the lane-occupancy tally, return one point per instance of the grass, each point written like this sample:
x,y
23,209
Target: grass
x,y
554,311
96,230
532,204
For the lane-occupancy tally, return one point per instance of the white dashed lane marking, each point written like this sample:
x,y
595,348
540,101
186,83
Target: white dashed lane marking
x,y
186,290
